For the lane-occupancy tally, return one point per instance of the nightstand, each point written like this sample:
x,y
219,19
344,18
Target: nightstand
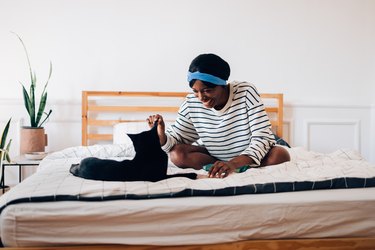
x,y
19,161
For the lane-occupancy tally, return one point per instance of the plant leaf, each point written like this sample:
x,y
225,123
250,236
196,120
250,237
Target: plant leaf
x,y
26,99
29,106
5,134
49,77
32,105
7,156
42,105
33,82
45,119
27,55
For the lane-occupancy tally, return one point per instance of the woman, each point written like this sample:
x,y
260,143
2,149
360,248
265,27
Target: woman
x,y
220,123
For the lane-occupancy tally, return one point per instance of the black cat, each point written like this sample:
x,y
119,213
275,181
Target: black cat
x,y
149,164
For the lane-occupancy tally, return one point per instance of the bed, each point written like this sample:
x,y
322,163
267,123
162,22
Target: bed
x,y
315,200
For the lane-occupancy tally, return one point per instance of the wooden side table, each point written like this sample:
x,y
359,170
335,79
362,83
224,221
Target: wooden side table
x,y
19,161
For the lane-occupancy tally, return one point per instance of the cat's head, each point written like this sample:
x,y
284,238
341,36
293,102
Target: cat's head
x,y
147,140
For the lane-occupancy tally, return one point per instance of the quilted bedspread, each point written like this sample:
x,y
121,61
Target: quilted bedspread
x,y
306,171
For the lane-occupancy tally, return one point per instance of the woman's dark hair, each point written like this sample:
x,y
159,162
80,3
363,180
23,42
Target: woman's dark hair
x,y
210,64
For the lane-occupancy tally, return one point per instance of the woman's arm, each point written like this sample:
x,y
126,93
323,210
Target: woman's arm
x,y
261,137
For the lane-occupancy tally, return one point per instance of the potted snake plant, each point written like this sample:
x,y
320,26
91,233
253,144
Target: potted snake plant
x,y
4,151
33,137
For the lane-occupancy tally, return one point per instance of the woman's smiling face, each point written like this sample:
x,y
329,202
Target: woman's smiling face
x,y
215,97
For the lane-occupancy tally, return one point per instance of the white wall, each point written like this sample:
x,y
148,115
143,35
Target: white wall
x,y
319,53
372,136
372,82
310,50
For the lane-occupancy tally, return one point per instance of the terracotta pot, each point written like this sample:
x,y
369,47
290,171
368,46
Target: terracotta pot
x,y
32,140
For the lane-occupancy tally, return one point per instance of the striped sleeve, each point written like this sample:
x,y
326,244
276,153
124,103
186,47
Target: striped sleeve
x,y
182,131
261,138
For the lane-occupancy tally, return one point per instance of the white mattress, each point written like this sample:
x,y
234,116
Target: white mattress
x,y
188,220
192,220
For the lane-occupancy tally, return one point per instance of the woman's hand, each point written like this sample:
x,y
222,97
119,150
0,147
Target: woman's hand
x,y
221,169
151,120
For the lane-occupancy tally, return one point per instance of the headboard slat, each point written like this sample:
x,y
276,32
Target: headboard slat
x,y
131,108
92,108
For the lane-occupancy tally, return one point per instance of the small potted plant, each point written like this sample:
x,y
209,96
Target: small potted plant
x,y
4,151
33,137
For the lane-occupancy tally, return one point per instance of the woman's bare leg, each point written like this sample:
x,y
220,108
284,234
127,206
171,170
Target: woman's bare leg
x,y
190,156
276,155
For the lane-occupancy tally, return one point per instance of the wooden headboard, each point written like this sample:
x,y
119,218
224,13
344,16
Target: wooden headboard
x,y
121,106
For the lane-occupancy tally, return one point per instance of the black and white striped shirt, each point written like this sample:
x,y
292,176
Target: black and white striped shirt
x,y
242,127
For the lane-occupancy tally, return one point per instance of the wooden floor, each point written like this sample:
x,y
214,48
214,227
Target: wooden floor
x,y
307,244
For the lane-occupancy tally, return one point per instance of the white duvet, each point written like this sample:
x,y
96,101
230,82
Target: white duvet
x,y
190,220
53,178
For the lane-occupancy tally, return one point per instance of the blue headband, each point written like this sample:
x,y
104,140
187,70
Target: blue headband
x,y
206,77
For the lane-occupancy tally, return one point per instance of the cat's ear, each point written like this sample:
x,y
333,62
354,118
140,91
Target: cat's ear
x,y
132,136
155,126
153,130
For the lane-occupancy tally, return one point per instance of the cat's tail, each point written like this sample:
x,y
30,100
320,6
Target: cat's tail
x,y
192,176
